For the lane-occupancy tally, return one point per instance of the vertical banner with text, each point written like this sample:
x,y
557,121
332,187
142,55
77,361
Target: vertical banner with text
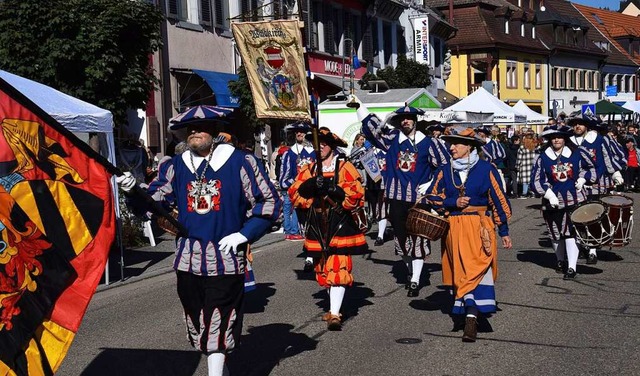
x,y
421,40
272,55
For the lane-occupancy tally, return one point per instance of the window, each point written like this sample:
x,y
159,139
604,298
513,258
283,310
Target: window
x,y
596,81
533,32
221,13
554,78
527,76
522,29
506,26
512,75
571,79
588,80
538,76
562,78
581,80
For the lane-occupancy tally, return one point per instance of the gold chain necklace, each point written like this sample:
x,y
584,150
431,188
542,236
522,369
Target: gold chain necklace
x,y
200,181
461,188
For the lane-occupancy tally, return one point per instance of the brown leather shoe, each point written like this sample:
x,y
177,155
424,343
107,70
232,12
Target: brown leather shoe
x,y
326,316
334,322
470,330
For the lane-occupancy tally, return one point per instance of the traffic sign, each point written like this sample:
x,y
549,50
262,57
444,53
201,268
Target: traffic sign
x,y
589,109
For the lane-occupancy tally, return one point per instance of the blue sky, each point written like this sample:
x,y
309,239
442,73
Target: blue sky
x,y
612,4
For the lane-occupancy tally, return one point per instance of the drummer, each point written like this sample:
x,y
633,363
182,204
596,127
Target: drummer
x,y
469,189
586,134
559,175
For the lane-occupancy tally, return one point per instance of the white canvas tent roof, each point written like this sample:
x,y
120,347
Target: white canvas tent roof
x,y
482,101
450,117
532,116
632,105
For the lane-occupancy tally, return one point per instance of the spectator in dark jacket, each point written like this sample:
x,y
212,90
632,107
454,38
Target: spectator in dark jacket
x,y
510,161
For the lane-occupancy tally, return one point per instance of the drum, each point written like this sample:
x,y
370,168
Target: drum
x,y
621,218
422,222
593,228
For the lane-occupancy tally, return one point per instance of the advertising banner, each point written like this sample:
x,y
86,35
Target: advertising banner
x,y
421,39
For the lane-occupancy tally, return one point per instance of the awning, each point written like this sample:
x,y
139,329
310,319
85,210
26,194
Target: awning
x,y
218,82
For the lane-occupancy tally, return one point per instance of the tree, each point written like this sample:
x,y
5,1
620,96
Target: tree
x,y
407,74
242,90
95,50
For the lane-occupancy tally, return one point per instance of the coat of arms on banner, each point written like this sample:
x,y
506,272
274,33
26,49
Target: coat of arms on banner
x,y
273,59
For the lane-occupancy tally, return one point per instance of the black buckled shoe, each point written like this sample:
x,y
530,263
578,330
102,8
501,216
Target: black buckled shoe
x,y
592,259
561,266
569,275
470,330
378,242
412,291
308,266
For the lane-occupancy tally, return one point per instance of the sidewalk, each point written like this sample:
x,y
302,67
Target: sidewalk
x,y
146,262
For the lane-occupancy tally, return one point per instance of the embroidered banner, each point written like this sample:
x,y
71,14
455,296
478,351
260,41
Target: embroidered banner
x,y
272,55
57,223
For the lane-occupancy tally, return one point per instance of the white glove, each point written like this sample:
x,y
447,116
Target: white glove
x,y
231,242
362,111
553,199
580,183
422,188
126,181
617,178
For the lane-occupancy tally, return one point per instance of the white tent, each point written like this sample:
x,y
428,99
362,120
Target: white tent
x,y
532,116
72,113
482,101
635,107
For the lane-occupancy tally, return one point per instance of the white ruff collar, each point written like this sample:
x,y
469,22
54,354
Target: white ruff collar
x,y
566,152
589,136
419,136
220,156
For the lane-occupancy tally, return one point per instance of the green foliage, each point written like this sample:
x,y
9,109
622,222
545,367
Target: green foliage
x,y
407,74
242,90
95,50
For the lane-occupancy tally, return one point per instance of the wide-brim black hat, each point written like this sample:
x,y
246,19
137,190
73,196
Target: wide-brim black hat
x,y
590,121
326,136
557,130
298,127
462,135
403,113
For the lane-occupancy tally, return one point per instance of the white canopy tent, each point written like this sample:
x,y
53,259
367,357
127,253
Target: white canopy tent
x,y
72,113
635,107
481,101
533,118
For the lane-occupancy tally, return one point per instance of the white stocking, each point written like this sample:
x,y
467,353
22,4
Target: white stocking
x,y
572,252
417,269
336,295
215,364
382,225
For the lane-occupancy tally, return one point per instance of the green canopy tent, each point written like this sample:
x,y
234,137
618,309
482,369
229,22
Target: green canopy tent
x,y
611,112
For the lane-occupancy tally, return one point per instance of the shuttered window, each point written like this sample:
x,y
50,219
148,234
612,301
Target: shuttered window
x,y
205,12
329,30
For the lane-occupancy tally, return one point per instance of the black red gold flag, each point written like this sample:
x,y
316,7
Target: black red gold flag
x,y
57,224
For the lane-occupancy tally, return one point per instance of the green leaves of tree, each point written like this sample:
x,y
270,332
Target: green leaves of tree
x,y
407,74
95,50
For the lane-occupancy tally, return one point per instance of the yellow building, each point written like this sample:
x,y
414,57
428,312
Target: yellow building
x,y
496,47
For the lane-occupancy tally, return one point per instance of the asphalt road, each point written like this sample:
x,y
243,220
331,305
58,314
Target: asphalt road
x,y
544,326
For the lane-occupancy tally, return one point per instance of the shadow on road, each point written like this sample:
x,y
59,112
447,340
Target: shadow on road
x,y
135,362
136,262
354,298
544,259
256,301
263,348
